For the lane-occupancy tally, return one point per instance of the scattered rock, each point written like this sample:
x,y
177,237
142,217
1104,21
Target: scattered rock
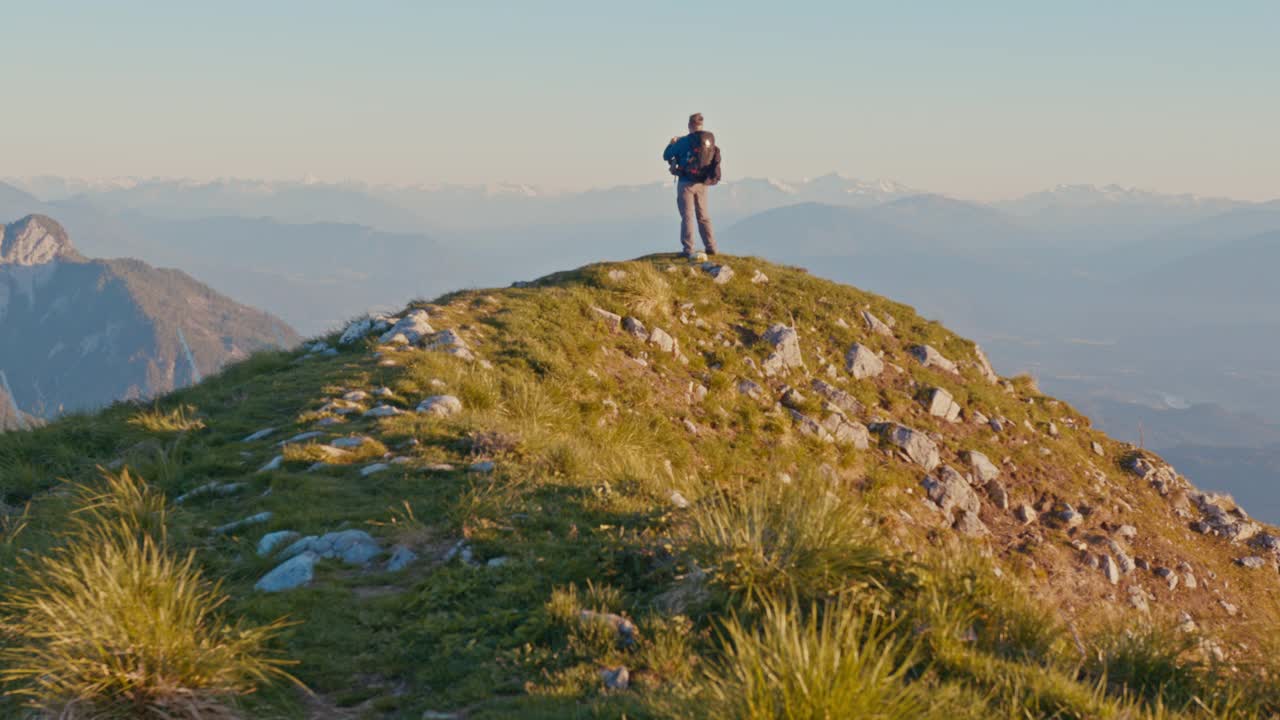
x,y
929,357
1097,449
210,488
847,432
918,447
663,340
786,350
983,469
679,500
498,562
350,442
998,494
625,628
758,278
401,558
862,362
1252,562
720,274
842,400
353,547
809,426
272,540
941,404
355,396
483,467
984,365
953,495
300,437
261,434
1025,514
750,389
449,342
617,275
362,327
618,678
875,325
294,572
440,406
274,464
1068,516
413,326
258,519
635,328
381,411
1110,569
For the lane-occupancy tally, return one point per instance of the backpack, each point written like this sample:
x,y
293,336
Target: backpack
x,y
699,161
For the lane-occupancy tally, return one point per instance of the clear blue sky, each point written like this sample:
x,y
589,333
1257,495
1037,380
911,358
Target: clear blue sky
x,y
975,99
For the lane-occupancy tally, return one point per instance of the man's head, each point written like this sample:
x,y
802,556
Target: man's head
x,y
695,122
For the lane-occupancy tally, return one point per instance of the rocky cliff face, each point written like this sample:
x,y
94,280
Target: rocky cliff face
x,y
78,333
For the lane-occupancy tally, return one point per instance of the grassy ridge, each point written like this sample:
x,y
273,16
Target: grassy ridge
x,y
766,573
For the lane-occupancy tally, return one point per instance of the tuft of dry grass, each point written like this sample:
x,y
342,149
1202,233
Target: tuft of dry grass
x,y
181,419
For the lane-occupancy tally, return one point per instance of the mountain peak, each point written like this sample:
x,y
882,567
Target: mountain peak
x,y
35,240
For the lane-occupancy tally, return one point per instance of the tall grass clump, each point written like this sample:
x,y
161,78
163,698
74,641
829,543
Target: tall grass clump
x,y
776,540
180,419
813,664
115,624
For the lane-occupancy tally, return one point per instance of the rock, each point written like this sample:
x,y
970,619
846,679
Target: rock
x,y
1053,430
484,467
272,540
1138,598
689,426
842,400
663,340
381,411
1097,449
355,396
329,452
1252,562
261,434
210,488
1025,514
997,424
953,495
635,328
941,404
983,469
917,446
373,469
968,523
809,426
697,392
1068,516
1267,542
617,275
401,558
862,362
847,432
720,274
257,519
300,437
929,357
758,278
449,342
413,326
749,388
1170,577
1229,608
440,406
616,678
274,464
353,547
679,500
625,628
786,350
348,443
362,327
1110,569
875,325
1126,532
613,320
294,572
793,398
498,562
984,365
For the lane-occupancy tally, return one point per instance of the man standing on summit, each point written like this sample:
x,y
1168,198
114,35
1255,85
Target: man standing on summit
x,y
695,160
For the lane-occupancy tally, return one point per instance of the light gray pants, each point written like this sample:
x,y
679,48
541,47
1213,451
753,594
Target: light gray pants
x,y
691,198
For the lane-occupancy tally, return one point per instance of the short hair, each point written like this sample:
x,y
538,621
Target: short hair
x,y
696,119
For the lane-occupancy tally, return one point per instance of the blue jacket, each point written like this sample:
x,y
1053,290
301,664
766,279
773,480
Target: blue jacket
x,y
677,148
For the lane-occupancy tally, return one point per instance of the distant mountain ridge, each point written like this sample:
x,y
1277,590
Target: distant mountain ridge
x,y
77,333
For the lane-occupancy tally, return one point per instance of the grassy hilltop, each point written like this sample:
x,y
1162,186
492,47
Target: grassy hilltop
x,y
625,495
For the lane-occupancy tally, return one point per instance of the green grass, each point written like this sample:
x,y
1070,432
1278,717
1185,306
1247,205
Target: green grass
x,y
750,596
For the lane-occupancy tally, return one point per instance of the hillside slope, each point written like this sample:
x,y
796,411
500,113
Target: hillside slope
x,y
639,488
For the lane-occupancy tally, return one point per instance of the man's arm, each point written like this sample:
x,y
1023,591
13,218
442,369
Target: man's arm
x,y
672,147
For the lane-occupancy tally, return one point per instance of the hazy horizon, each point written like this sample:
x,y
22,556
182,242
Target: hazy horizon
x,y
981,103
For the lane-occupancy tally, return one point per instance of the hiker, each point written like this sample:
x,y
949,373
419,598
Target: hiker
x,y
695,160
